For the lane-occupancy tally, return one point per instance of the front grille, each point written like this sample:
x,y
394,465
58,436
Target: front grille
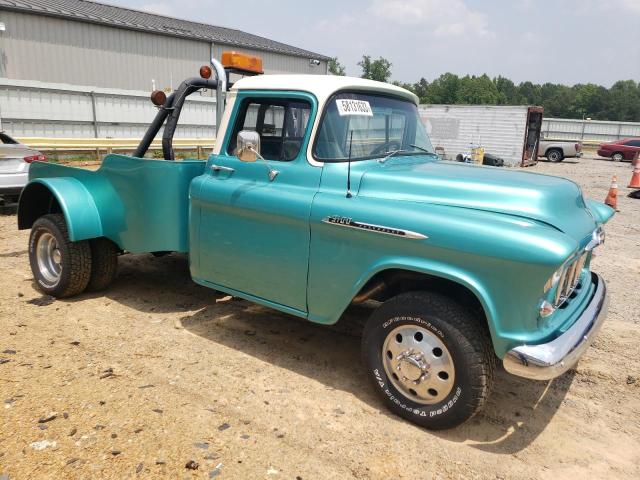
x,y
569,280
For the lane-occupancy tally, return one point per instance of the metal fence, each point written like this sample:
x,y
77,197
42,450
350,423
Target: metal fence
x,y
589,131
38,109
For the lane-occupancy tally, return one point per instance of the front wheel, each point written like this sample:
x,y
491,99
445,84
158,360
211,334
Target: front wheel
x,y
429,358
61,268
617,157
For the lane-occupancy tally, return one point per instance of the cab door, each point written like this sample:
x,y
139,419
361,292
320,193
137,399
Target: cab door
x,y
254,232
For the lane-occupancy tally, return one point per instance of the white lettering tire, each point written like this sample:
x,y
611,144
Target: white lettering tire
x,y
430,359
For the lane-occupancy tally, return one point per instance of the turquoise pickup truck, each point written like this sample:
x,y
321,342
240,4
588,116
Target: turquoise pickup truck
x,y
323,192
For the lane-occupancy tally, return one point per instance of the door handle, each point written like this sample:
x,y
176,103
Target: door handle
x,y
221,168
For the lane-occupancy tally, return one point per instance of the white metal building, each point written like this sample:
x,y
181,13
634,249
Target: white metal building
x,y
82,68
81,42
587,130
509,132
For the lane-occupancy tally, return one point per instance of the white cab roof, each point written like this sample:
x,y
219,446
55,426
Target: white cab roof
x,y
322,86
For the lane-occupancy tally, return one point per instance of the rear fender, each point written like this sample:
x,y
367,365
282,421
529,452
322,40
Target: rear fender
x,y
66,195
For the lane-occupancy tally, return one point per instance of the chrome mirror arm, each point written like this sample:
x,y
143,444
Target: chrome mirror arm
x,y
272,173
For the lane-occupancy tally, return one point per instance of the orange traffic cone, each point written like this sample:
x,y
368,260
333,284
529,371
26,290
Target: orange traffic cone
x,y
612,196
635,177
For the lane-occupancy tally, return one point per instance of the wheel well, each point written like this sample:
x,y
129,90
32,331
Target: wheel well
x,y
36,200
550,149
389,283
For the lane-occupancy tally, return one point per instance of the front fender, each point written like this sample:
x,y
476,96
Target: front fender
x,y
74,201
425,266
602,212
503,260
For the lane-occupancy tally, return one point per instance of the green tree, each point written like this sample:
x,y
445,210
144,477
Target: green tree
x,y
335,67
530,93
477,91
624,101
379,69
507,92
444,89
621,102
559,103
421,89
590,100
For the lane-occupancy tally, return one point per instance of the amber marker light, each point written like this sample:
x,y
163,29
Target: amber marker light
x,y
205,71
241,61
158,98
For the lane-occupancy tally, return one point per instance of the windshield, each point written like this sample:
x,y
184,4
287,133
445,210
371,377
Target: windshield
x,y
369,126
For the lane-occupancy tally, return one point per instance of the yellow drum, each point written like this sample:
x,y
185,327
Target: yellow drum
x,y
477,155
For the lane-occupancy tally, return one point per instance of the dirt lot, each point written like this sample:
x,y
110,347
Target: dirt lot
x,y
158,372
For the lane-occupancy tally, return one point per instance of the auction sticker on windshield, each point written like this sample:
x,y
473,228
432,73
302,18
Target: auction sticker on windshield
x,y
353,107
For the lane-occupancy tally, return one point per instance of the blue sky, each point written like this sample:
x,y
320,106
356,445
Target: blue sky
x,y
561,41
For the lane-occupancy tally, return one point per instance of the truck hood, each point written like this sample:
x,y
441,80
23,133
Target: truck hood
x,y
552,200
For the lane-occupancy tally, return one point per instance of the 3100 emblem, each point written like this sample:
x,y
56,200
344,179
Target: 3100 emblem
x,y
350,223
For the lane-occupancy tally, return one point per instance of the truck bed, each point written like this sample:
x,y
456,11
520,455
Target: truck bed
x,y
142,204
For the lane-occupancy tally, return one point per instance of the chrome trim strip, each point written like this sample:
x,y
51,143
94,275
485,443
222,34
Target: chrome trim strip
x,y
370,227
549,360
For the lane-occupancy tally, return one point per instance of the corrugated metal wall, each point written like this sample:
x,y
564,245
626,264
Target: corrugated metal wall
x,y
36,109
49,49
588,130
499,129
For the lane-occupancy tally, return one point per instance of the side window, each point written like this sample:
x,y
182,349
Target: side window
x,y
633,143
281,124
6,139
272,120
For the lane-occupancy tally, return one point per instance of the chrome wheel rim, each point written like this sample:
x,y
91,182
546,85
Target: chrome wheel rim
x,y
49,259
418,364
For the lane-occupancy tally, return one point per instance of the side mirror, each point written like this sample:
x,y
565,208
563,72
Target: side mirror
x,y
248,146
248,150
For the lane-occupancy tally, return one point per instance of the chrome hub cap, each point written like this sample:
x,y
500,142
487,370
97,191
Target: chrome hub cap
x,y
49,259
418,364
412,366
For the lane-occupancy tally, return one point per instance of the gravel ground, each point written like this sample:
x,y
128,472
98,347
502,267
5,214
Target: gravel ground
x,y
161,378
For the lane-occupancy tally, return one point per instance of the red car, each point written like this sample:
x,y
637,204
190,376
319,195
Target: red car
x,y
625,149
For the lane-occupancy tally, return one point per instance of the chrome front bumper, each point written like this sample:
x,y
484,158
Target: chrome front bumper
x,y
548,360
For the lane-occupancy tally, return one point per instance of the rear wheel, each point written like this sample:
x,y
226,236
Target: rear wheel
x,y
555,155
104,263
61,268
429,358
617,157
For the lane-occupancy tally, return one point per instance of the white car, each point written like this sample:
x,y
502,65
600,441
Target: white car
x,y
15,159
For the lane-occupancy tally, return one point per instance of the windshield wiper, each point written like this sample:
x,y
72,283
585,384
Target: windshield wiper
x,y
391,154
396,152
420,148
